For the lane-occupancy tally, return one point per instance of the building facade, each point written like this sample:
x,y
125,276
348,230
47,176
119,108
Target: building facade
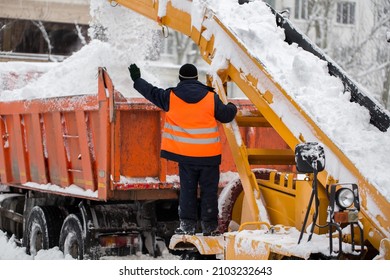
x,y
60,27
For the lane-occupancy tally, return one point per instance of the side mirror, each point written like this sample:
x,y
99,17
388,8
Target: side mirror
x,y
310,157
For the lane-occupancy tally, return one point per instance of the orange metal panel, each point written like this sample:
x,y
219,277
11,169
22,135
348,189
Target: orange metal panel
x,y
13,155
5,168
116,147
36,162
24,171
94,137
147,8
140,143
103,136
72,148
163,162
57,158
89,181
178,19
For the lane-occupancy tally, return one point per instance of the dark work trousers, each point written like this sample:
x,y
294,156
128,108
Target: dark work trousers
x,y
207,178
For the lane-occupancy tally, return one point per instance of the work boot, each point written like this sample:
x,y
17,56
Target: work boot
x,y
211,233
187,227
181,231
210,229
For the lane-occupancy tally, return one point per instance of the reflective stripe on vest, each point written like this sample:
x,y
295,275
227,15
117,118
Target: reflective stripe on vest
x,y
191,129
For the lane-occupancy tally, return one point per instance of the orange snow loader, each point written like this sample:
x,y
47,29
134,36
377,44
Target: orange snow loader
x,y
352,218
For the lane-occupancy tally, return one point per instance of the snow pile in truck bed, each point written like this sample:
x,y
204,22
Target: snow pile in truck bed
x,y
16,75
76,75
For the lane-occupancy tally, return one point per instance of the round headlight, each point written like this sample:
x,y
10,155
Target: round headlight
x,y
345,198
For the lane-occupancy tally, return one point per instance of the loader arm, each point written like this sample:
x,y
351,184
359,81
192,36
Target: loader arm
x,y
271,96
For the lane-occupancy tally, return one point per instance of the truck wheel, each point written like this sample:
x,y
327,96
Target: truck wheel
x,y
195,255
42,229
71,237
190,255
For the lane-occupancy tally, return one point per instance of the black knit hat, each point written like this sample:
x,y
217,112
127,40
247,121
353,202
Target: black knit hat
x,y
188,72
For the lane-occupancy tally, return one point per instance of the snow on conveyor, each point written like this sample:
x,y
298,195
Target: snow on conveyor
x,y
306,79
303,76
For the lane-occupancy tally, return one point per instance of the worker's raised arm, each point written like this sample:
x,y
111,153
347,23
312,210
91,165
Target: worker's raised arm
x,y
158,96
224,112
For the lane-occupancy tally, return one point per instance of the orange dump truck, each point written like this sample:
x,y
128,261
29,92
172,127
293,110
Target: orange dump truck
x,y
84,173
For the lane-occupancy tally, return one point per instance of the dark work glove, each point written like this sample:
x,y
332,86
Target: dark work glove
x,y
135,73
233,106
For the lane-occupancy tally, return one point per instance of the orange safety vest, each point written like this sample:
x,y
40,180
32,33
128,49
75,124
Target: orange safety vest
x,y
190,128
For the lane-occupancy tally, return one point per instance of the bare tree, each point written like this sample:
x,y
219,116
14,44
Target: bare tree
x,y
182,43
180,46
185,50
80,34
383,8
320,19
370,57
45,35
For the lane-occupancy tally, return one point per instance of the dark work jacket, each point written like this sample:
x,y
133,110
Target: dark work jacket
x,y
190,91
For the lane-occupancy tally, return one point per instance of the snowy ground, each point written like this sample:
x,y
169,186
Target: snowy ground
x,y
50,264
9,250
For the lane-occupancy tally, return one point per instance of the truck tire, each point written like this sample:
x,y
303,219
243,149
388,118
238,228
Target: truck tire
x,y
71,237
42,229
195,255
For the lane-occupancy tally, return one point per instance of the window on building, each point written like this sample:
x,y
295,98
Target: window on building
x,y
301,9
26,37
346,12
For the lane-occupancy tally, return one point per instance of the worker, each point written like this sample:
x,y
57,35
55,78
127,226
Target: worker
x,y
191,138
